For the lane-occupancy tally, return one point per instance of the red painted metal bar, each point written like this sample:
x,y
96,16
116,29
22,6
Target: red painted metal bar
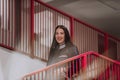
x,y
32,28
84,62
106,44
71,27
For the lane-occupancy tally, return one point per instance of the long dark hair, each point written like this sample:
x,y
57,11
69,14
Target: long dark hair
x,y
67,37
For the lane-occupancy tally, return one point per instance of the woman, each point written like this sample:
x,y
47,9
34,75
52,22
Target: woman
x,y
62,47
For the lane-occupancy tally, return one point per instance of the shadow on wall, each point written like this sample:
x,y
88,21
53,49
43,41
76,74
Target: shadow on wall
x,y
17,22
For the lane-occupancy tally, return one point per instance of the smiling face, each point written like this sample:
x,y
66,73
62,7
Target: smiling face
x,y
60,36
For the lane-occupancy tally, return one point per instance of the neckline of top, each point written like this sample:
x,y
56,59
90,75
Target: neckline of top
x,y
62,46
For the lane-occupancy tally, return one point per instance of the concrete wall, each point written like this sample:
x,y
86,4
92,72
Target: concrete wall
x,y
13,65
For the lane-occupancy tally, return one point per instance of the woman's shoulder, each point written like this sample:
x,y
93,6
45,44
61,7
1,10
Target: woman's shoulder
x,y
72,49
71,46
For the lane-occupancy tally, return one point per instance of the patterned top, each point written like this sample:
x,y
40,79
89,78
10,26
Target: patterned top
x,y
62,52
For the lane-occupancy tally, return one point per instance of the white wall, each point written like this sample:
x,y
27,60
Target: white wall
x,y
13,65
1,74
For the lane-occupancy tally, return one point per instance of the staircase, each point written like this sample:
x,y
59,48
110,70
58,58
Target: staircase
x,y
86,66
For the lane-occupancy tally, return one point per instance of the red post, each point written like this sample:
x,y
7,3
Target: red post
x,y
71,27
106,44
84,62
32,28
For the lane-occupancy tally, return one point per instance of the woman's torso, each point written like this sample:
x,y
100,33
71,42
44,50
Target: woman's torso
x,y
62,53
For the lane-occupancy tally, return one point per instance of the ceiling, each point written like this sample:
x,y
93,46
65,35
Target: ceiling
x,y
102,14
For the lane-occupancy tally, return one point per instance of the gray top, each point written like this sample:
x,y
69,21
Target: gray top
x,y
62,52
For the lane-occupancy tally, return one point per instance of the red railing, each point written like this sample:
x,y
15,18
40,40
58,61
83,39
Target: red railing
x,y
86,66
28,25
